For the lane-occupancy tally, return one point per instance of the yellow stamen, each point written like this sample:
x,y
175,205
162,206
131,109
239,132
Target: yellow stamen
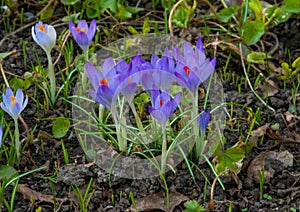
x,y
81,30
13,100
42,28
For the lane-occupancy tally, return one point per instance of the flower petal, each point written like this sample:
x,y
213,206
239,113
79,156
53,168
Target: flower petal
x,y
93,74
92,30
83,24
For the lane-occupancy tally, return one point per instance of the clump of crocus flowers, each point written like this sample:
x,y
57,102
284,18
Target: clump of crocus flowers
x,y
188,70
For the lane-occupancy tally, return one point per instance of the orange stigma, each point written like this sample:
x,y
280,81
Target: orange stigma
x,y
161,102
13,101
128,80
104,81
187,70
42,28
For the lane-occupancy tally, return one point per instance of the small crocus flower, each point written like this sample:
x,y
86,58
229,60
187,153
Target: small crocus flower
x,y
193,68
1,135
44,35
163,106
203,120
82,33
14,104
104,83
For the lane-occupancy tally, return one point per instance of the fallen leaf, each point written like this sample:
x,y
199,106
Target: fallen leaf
x,y
285,157
289,116
270,88
256,165
30,194
155,202
260,131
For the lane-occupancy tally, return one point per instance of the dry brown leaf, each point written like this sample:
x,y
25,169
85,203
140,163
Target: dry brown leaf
x,y
157,201
271,88
256,165
289,116
285,157
30,194
260,131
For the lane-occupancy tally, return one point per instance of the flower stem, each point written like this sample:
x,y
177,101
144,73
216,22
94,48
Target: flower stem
x,y
17,138
84,76
52,79
120,133
138,121
195,125
164,153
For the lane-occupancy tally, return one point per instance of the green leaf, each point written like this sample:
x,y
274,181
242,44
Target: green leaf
x,y
132,30
257,57
146,27
292,6
47,13
60,127
227,13
256,6
253,31
6,54
17,83
142,98
7,172
230,157
123,13
296,64
193,206
93,9
69,2
110,4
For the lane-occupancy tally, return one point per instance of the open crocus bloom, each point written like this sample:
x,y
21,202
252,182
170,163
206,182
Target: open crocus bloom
x,y
44,35
163,106
193,68
104,83
14,104
83,34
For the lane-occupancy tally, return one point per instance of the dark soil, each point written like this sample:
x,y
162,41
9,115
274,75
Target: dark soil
x,y
241,191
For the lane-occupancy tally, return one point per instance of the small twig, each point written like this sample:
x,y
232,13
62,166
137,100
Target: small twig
x,y
275,47
213,10
62,46
3,75
249,83
211,202
46,7
16,31
171,14
25,126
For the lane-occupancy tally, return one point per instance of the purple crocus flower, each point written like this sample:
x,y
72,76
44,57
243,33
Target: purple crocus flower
x,y
130,79
203,120
44,35
13,104
159,72
83,34
163,106
104,83
193,68
1,135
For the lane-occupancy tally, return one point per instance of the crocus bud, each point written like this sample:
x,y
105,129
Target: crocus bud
x,y
44,35
83,34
